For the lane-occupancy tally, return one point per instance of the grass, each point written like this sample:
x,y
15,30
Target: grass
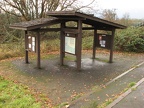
x,y
16,49
48,46
102,60
94,104
62,105
10,72
16,96
10,50
106,103
75,96
110,100
131,84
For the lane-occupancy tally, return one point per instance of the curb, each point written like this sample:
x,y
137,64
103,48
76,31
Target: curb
x,y
113,80
125,73
125,94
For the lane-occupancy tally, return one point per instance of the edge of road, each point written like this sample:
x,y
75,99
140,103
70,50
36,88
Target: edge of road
x,y
113,80
125,94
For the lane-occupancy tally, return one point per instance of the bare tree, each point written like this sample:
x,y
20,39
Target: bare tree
x,y
109,14
32,9
125,20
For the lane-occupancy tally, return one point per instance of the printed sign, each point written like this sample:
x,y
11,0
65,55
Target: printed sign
x,y
70,44
32,44
101,41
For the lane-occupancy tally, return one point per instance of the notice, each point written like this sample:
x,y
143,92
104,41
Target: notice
x,y
70,44
101,41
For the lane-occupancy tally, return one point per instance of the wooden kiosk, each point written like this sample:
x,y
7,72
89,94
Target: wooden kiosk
x,y
70,37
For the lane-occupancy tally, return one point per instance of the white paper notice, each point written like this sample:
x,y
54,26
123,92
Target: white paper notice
x,y
70,44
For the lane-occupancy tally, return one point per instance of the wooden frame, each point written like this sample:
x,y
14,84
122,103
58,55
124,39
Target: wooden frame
x,y
61,18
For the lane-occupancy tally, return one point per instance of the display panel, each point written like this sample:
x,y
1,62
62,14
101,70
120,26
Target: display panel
x,y
103,41
70,43
32,43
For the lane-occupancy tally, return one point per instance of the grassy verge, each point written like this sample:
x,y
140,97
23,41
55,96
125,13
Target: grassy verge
x,y
16,96
16,88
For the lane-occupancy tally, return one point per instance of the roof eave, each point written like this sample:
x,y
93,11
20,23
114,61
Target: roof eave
x,y
85,16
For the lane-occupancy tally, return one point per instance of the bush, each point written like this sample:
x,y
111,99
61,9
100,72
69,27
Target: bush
x,y
9,50
87,43
130,40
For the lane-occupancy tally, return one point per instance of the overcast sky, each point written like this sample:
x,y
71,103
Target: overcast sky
x,y
135,8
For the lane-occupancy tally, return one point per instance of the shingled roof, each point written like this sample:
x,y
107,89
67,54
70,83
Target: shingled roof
x,y
63,16
35,24
87,19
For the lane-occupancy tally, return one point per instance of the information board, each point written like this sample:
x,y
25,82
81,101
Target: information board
x,y
70,43
103,41
32,43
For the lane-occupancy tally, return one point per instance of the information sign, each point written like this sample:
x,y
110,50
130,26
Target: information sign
x,y
70,43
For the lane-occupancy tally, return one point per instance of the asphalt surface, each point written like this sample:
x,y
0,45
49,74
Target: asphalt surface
x,y
94,83
133,98
112,89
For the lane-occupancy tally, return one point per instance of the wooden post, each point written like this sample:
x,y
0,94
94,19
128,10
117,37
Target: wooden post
x,y
62,44
79,45
94,43
111,49
26,47
38,50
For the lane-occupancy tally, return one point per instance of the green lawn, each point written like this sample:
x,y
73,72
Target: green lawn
x,y
16,96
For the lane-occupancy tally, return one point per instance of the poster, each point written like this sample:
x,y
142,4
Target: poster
x,y
101,41
70,44
32,43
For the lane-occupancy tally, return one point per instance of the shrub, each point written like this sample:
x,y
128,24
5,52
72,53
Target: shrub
x,y
87,43
130,40
9,50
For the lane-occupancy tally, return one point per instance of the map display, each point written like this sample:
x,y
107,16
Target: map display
x,y
70,44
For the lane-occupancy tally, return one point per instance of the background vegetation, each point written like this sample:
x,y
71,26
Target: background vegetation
x,y
130,39
12,41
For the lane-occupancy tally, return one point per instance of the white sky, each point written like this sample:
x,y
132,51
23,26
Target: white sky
x,y
135,8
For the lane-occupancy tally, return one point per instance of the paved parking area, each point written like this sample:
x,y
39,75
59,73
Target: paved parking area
x,y
66,84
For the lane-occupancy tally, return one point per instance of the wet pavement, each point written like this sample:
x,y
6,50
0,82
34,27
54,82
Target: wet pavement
x,y
80,88
133,98
112,90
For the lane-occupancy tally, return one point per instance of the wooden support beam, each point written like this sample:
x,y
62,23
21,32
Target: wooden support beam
x,y
83,28
47,30
104,28
72,18
88,28
38,50
111,47
94,43
62,44
79,45
26,47
71,30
